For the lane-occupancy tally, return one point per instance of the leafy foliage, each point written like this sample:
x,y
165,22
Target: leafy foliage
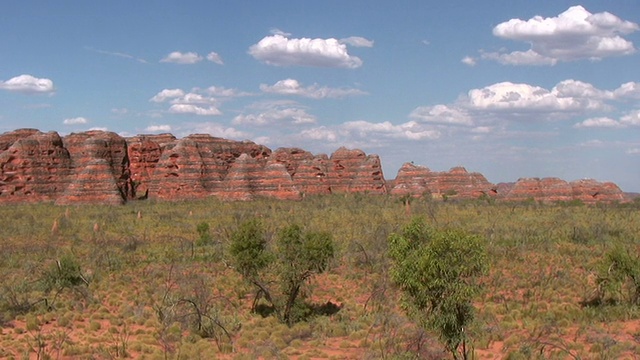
x,y
438,270
619,271
299,256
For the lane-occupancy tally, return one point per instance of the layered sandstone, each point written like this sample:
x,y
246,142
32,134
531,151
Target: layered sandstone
x,y
103,167
100,159
34,166
415,180
552,189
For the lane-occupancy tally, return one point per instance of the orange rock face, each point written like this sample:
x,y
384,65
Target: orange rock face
x,y
417,181
103,167
34,166
557,190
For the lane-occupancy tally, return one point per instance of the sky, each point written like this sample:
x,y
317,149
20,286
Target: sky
x,y
509,89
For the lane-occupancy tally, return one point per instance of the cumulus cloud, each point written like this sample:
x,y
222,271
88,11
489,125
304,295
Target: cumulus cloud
x,y
192,102
276,115
567,96
293,87
469,61
158,128
75,121
177,57
630,90
411,130
221,91
441,114
601,122
166,94
357,41
573,35
279,50
215,58
214,129
194,109
28,84
631,119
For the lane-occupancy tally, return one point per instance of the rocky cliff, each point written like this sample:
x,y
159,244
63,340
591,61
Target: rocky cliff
x,y
416,181
103,167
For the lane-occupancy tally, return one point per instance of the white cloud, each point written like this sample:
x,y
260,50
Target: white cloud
x,y
572,35
632,118
214,129
468,60
293,87
321,133
601,122
188,103
75,121
177,57
28,84
507,96
528,57
357,41
409,131
158,128
194,109
214,57
441,114
221,91
166,94
481,130
120,111
98,128
630,90
194,98
279,50
276,31
633,151
276,115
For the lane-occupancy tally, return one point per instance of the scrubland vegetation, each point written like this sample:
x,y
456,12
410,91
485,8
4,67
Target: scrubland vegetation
x,y
335,277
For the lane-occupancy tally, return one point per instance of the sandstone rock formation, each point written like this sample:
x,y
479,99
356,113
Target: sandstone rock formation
x,y
550,190
103,167
34,166
417,181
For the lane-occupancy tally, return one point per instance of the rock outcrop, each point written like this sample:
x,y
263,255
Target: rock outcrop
x,y
415,180
34,166
551,189
103,167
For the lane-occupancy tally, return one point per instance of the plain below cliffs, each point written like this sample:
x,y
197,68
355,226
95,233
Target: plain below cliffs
x,y
103,167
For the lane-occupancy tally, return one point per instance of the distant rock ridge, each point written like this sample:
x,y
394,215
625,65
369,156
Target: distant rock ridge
x,y
103,167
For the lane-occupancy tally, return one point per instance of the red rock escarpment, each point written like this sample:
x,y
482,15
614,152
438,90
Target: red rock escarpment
x,y
548,190
417,180
34,166
103,167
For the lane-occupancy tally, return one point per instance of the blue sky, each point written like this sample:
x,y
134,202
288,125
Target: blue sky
x,y
507,88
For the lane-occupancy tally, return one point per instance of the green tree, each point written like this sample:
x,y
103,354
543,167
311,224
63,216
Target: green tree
x,y
618,271
438,272
299,256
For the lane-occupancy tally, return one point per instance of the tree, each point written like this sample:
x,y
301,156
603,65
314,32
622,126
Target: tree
x,y
618,271
437,270
299,255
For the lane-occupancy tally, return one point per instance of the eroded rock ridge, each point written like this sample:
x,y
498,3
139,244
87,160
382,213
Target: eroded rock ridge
x,y
103,167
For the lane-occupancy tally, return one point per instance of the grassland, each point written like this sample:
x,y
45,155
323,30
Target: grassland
x,y
156,284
